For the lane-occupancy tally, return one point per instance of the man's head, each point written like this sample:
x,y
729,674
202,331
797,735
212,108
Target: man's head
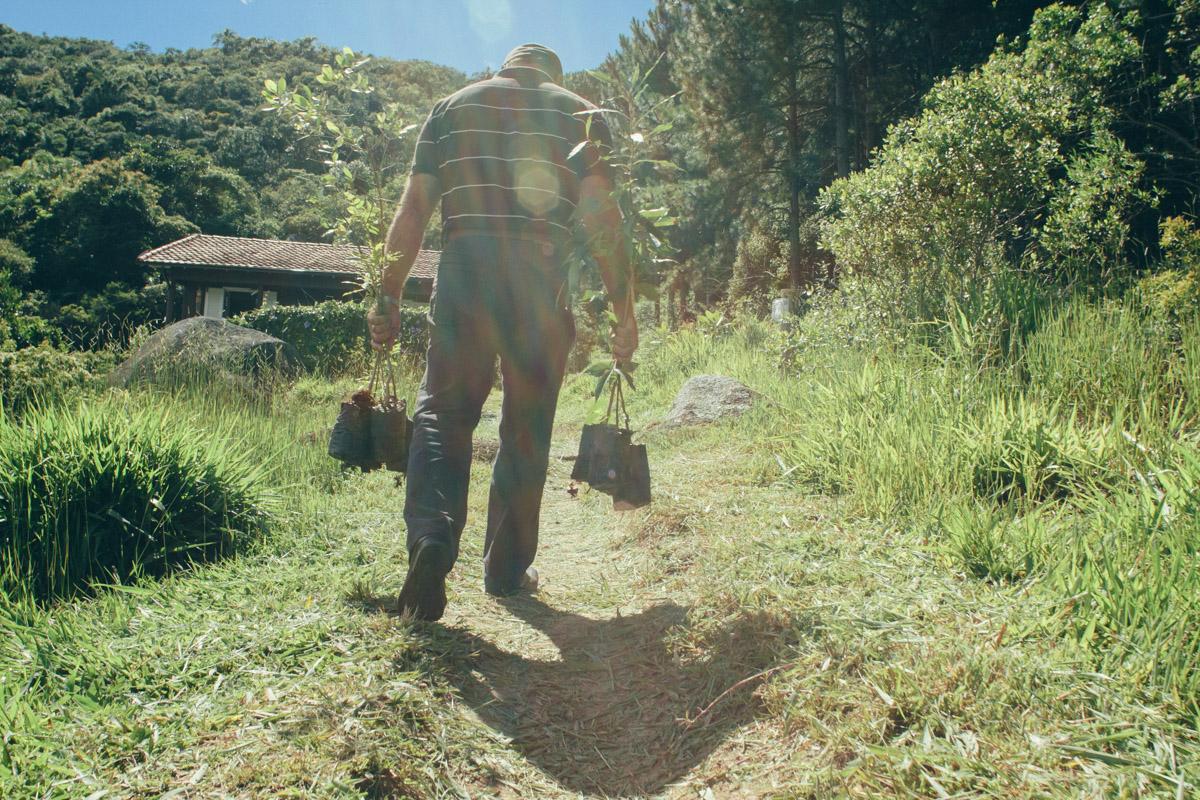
x,y
536,56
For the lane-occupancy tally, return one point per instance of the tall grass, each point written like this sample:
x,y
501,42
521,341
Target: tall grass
x,y
1067,460
229,467
108,490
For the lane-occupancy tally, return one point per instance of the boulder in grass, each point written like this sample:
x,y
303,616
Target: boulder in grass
x,y
201,346
709,398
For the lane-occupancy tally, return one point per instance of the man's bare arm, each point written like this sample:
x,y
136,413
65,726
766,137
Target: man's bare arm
x,y
403,243
601,220
421,197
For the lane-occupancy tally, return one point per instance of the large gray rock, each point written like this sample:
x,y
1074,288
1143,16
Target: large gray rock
x,y
200,346
708,398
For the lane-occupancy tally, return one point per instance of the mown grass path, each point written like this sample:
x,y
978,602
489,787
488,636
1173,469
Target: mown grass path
x,y
583,681
585,688
738,638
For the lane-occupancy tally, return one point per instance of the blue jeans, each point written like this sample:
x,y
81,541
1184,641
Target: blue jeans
x,y
494,298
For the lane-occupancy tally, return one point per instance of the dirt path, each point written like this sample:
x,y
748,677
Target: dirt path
x,y
587,688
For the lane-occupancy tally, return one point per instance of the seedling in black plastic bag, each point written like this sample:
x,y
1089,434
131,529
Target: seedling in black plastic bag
x,y
608,460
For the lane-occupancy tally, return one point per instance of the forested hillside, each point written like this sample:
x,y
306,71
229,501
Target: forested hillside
x,y
106,152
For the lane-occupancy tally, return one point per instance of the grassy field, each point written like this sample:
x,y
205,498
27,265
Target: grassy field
x,y
910,571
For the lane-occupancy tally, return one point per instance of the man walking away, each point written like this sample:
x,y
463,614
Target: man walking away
x,y
501,155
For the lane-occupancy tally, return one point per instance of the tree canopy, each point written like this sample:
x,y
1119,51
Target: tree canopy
x,y
105,152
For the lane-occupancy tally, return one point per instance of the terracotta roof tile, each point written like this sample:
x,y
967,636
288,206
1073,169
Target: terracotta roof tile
x,y
234,252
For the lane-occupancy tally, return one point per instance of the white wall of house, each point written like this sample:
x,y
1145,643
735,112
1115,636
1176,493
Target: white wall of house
x,y
217,297
214,302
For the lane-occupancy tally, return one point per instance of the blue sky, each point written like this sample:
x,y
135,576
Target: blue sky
x,y
468,34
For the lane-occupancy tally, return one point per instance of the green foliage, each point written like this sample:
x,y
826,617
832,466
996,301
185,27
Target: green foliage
x,y
637,129
330,336
1017,450
779,98
1173,292
996,544
1121,357
1135,577
15,267
215,199
760,269
15,264
28,330
95,224
1011,167
298,208
26,190
108,492
36,377
364,141
110,316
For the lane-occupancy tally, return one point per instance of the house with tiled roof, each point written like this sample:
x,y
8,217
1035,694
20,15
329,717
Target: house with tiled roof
x,y
222,276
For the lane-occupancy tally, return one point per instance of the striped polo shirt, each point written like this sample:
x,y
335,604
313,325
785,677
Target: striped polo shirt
x,y
505,151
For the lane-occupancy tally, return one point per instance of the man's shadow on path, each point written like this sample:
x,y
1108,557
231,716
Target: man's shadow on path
x,y
620,714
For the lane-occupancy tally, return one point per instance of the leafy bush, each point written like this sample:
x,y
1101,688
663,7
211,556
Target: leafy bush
x,y
110,316
15,262
17,327
95,223
42,375
1174,291
1010,167
332,335
760,268
108,492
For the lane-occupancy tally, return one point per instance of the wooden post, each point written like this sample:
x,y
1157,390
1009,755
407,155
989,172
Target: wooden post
x,y
170,317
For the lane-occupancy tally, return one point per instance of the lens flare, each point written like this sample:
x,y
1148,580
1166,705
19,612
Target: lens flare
x,y
537,188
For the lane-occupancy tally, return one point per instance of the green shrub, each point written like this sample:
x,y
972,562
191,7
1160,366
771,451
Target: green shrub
x,y
1174,292
110,316
39,375
1011,167
15,267
760,267
30,330
997,545
333,335
108,491
15,264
